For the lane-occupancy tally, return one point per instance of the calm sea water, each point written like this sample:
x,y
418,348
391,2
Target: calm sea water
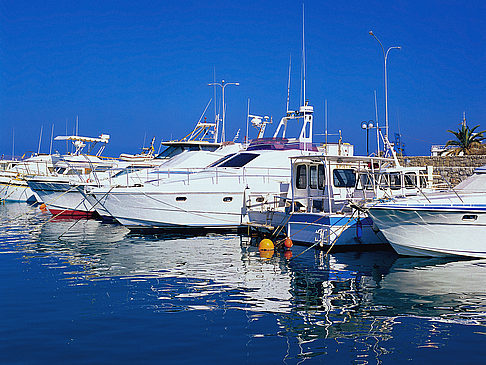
x,y
98,294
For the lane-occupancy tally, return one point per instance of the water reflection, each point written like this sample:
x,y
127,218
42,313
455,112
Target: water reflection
x,y
354,297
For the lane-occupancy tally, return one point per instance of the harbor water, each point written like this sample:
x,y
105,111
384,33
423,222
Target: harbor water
x,y
91,292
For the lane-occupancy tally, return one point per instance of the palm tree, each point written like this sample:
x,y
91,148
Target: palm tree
x,y
467,142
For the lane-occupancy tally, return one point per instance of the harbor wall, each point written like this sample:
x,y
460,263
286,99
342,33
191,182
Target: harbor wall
x,y
453,169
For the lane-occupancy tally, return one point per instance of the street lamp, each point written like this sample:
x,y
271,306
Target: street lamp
x,y
385,56
367,126
223,84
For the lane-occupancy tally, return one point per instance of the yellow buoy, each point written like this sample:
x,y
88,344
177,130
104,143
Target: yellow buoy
x,y
266,245
266,254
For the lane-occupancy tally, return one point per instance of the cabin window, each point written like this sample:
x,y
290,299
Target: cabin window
x,y
170,151
423,181
313,177
366,181
227,199
384,181
181,198
321,178
239,160
301,179
227,157
344,178
410,180
395,181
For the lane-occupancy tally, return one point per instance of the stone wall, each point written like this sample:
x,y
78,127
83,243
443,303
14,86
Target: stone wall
x,y
453,169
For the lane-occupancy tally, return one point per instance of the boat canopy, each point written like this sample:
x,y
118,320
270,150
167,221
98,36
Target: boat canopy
x,y
104,138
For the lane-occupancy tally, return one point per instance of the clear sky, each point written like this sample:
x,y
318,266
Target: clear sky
x,y
138,69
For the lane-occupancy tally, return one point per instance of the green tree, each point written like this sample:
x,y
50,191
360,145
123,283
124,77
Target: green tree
x,y
467,142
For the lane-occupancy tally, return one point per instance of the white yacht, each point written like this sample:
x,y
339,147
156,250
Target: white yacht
x,y
57,188
13,186
447,223
215,198
64,191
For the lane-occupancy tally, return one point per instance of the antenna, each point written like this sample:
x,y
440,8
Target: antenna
x,y
216,119
77,121
325,115
377,127
248,118
288,84
52,136
303,52
40,139
13,143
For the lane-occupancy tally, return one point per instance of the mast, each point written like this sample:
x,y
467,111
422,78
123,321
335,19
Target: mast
x,y
377,126
288,83
325,117
40,139
248,119
303,55
52,136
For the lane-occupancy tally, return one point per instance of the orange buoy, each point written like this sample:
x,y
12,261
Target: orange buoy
x,y
288,242
266,245
288,254
43,207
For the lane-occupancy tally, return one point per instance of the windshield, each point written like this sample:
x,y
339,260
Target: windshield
x,y
239,160
172,151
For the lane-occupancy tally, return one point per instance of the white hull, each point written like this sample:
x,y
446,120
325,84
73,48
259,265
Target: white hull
x,y
62,198
433,232
163,210
15,190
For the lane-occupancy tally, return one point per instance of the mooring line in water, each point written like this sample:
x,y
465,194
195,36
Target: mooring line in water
x,y
99,200
62,211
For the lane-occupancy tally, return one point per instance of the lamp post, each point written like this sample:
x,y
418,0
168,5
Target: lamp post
x,y
367,126
223,84
385,56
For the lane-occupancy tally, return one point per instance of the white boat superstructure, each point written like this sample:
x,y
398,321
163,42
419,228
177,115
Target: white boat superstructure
x,y
216,197
447,223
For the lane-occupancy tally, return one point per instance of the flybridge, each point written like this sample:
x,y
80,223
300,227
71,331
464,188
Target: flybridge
x,y
79,142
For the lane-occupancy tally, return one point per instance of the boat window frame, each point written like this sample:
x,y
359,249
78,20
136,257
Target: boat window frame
x,y
301,177
393,180
321,177
313,177
410,184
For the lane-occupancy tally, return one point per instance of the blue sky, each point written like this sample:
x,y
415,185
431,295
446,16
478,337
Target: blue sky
x,y
135,70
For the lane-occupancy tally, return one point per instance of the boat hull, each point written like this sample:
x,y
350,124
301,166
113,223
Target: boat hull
x,y
167,211
16,190
62,199
336,231
433,232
